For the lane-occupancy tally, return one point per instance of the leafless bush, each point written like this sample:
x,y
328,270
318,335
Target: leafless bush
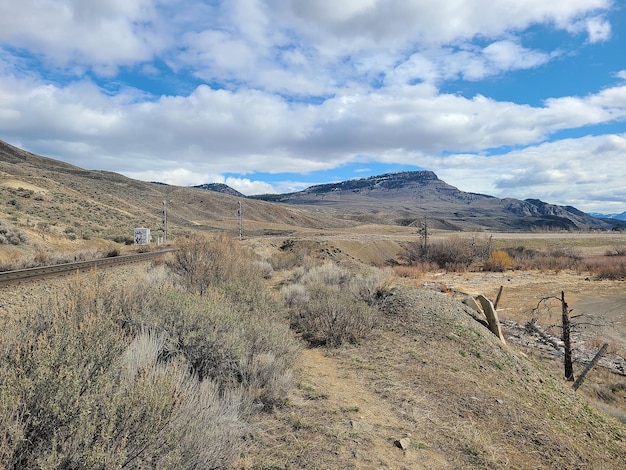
x,y
555,259
453,254
498,261
608,268
414,271
616,250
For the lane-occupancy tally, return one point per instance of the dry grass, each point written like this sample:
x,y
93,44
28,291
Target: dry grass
x,y
424,370
431,373
111,375
13,260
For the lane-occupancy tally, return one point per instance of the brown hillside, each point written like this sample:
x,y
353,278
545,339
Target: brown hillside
x,y
51,199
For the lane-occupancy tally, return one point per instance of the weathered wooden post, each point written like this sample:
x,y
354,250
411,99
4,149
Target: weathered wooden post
x,y
567,342
495,304
492,317
590,366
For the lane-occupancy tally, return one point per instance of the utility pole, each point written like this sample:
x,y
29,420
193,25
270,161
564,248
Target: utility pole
x,y
164,221
240,215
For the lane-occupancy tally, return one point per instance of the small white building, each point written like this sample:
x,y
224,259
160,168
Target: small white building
x,y
142,236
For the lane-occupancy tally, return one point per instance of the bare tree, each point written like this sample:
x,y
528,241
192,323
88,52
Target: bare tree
x,y
566,326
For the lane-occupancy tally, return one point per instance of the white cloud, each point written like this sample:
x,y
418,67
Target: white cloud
x,y
398,22
467,61
174,176
507,55
188,177
305,86
249,187
598,29
219,131
101,34
242,42
584,172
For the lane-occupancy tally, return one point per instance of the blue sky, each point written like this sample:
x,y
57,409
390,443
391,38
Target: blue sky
x,y
515,98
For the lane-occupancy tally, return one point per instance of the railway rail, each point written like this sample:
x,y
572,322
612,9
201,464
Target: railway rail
x,y
28,274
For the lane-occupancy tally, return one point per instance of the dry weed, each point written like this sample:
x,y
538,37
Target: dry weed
x,y
113,375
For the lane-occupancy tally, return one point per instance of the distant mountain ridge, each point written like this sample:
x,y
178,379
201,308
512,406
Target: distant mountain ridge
x,y
599,215
220,188
405,197
60,198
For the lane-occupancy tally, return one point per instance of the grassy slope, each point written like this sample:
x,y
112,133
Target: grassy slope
x,y
435,375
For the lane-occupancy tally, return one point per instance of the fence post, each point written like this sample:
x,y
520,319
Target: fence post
x,y
590,366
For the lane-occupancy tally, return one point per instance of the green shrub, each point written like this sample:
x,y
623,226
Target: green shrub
x,y
332,318
372,286
265,268
9,235
222,343
329,274
141,375
283,261
294,295
329,306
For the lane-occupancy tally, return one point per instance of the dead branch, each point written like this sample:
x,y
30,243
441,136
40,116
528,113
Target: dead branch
x,y
533,327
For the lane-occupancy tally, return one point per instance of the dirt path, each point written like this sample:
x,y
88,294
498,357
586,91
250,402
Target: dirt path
x,y
365,436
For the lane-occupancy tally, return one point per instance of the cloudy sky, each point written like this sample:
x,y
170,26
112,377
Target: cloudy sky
x,y
513,98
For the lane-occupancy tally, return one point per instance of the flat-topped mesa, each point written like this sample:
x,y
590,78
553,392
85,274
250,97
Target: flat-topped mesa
x,y
385,181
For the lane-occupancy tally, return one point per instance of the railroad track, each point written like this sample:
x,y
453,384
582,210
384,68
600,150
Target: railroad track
x,y
8,277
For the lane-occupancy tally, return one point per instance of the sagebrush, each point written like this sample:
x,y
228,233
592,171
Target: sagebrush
x,y
330,306
142,374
